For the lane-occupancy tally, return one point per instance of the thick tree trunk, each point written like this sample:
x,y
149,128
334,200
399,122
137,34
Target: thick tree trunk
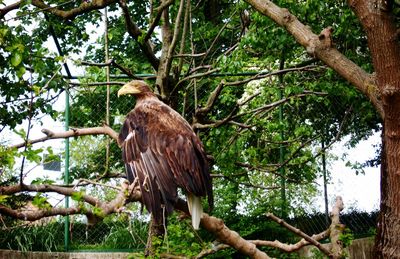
x,y
387,239
379,25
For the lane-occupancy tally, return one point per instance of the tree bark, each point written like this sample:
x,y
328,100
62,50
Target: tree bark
x,y
379,24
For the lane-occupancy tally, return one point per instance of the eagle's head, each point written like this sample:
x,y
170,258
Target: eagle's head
x,y
136,87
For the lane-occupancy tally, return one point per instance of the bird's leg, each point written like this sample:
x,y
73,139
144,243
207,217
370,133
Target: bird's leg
x,y
154,238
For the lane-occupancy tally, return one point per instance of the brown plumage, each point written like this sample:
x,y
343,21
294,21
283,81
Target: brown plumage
x,y
161,150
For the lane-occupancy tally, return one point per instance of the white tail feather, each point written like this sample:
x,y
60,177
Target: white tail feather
x,y
195,209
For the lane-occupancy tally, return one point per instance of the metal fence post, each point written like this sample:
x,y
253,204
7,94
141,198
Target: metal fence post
x,y
66,171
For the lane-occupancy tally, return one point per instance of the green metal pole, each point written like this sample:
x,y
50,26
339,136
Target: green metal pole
x,y
66,114
66,172
281,147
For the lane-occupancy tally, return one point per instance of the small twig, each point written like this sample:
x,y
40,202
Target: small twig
x,y
97,83
212,250
96,183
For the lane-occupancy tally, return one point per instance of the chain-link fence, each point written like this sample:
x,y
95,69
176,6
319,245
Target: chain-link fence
x,y
282,124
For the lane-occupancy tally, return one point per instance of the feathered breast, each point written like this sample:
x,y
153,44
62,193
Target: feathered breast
x,y
162,151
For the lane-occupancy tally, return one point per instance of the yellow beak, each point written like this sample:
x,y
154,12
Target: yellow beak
x,y
128,88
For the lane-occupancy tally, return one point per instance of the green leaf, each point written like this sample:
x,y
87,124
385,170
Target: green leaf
x,y
41,202
78,196
36,89
21,71
16,59
3,198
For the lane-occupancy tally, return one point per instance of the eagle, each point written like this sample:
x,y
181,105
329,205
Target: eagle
x,y
161,152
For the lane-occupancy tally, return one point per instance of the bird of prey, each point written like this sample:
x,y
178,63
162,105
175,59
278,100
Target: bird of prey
x,y
162,152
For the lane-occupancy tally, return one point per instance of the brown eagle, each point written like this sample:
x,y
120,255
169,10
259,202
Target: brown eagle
x,y
162,152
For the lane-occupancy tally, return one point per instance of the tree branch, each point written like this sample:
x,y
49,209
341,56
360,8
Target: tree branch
x,y
9,8
135,33
105,130
84,7
106,207
156,20
223,233
231,238
300,233
291,247
97,83
320,46
336,228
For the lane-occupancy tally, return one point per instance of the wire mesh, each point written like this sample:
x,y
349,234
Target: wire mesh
x,y
89,160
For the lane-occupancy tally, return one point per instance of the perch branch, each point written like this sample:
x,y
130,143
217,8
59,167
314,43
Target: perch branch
x,y
230,237
224,234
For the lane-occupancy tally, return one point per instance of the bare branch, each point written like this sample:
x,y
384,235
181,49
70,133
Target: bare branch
x,y
84,7
9,8
231,116
209,72
223,233
230,237
97,83
300,233
135,33
336,228
87,63
29,215
87,181
291,247
156,20
105,130
208,51
211,100
111,62
189,55
213,250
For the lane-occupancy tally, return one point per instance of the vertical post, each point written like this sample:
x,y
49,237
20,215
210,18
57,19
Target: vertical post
x,y
106,57
66,172
281,147
66,114
281,160
323,157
